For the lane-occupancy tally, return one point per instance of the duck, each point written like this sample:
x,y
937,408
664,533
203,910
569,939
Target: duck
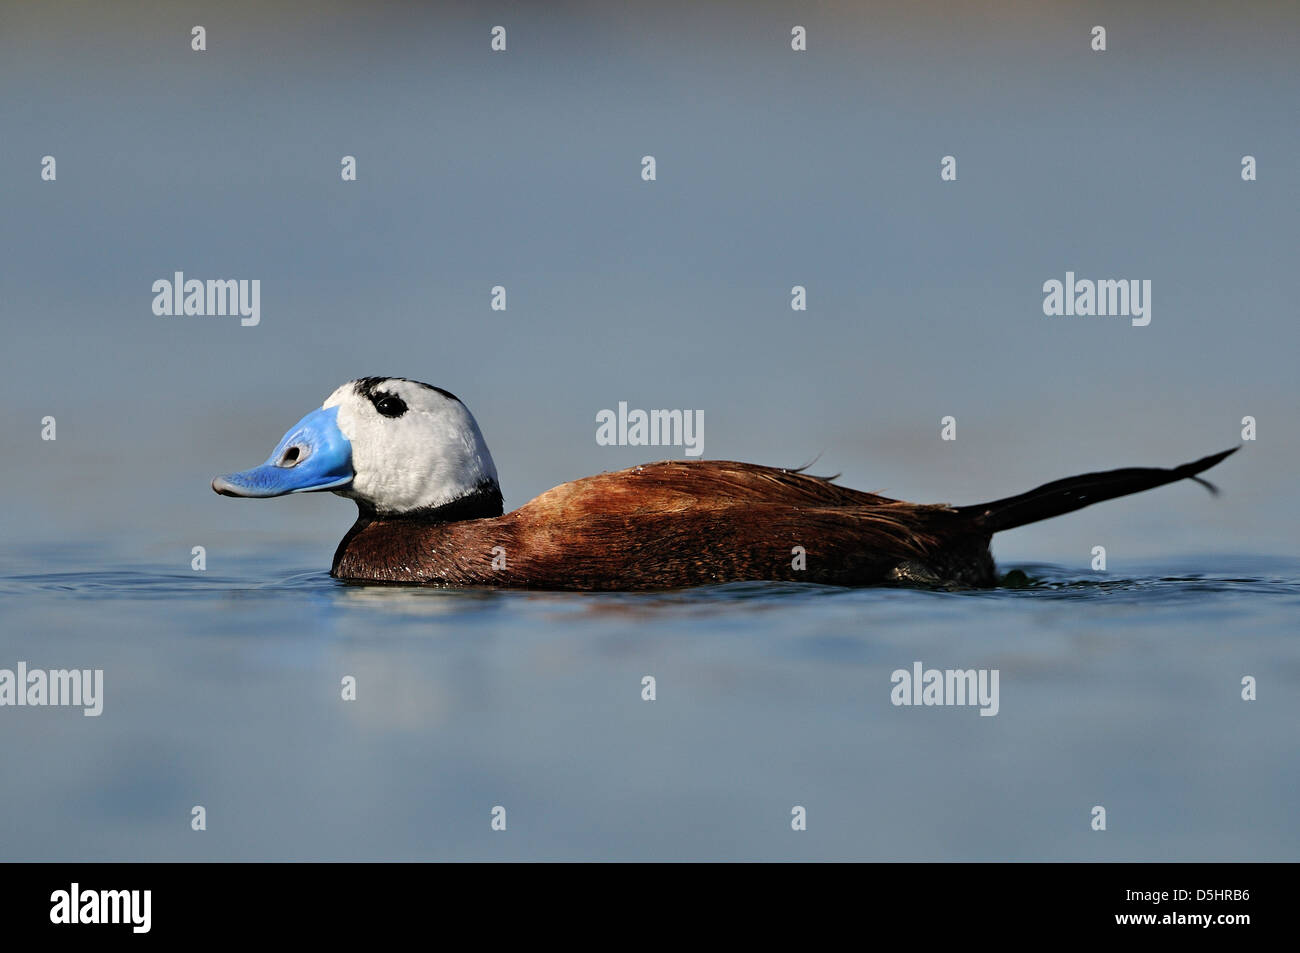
x,y
430,510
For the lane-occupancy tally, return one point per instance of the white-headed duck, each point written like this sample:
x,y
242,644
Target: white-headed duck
x,y
413,458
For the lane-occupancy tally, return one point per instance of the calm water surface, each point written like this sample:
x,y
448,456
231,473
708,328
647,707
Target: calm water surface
x,y
774,169
224,691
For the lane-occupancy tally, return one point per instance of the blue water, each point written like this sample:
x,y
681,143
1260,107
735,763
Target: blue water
x,y
223,690
775,169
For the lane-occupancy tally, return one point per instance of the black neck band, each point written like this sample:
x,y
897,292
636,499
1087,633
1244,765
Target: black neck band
x,y
482,502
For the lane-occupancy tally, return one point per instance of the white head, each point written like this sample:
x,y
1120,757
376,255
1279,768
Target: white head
x,y
414,446
396,446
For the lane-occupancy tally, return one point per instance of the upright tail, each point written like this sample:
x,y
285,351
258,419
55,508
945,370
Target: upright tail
x,y
1074,493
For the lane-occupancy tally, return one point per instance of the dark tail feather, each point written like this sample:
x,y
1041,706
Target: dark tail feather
x,y
1074,493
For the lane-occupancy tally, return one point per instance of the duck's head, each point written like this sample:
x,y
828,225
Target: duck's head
x,y
396,446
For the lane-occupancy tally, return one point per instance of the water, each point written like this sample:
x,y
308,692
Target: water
x,y
224,690
775,169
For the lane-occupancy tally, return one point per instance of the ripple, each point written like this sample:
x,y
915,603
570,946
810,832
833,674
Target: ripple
x,y
1026,581
149,583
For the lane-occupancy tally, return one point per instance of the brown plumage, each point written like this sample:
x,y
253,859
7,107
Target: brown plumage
x,y
659,526
690,523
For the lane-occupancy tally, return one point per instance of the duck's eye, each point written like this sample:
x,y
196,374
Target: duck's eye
x,y
391,406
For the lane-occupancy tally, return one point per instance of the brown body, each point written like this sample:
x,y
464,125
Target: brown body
x,y
677,524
